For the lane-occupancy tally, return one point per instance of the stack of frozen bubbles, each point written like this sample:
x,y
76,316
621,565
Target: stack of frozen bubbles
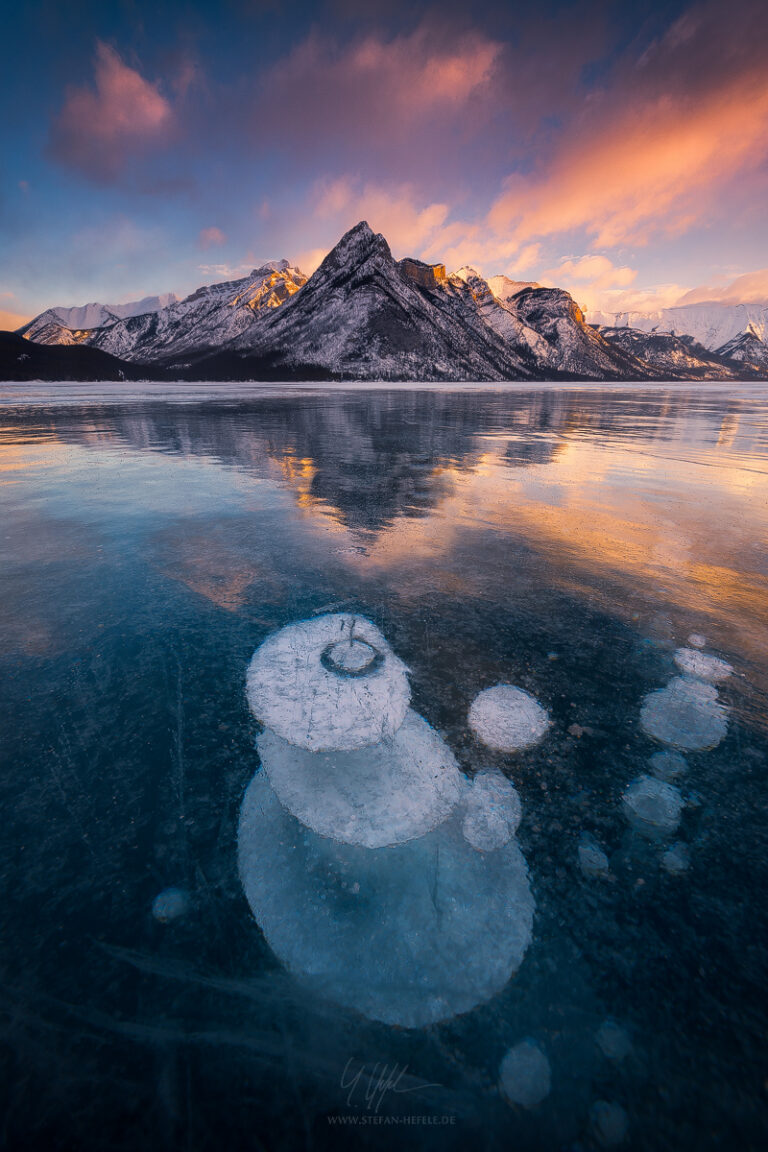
x,y
380,875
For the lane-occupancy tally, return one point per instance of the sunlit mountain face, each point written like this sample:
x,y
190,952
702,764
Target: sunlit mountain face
x,y
568,145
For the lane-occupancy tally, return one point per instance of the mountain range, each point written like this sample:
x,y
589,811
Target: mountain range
x,y
364,315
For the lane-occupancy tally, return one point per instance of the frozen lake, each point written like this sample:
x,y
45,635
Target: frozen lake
x,y
604,549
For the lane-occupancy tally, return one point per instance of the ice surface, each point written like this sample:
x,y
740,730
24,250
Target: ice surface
x,y
686,714
408,934
524,1075
293,688
701,666
170,904
592,860
677,858
609,1123
507,718
652,806
493,811
383,794
613,1041
668,765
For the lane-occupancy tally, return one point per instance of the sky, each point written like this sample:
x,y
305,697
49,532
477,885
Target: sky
x,y
616,150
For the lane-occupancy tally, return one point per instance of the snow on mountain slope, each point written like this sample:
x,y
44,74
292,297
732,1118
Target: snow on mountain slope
x,y
571,345
712,324
746,348
87,316
211,316
363,314
679,357
503,288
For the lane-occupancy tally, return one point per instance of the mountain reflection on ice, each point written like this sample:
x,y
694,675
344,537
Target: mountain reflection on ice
x,y
569,542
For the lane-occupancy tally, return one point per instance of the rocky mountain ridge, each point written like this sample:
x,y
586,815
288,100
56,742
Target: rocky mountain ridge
x,y
364,315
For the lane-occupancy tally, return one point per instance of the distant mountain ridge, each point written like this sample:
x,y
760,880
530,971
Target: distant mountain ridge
x,y
712,324
364,315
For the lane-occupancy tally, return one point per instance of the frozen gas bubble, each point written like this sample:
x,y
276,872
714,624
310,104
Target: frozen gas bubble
x,y
613,1041
701,666
170,904
408,934
507,718
686,714
652,806
668,765
609,1123
524,1075
493,812
592,860
676,859
383,794
328,683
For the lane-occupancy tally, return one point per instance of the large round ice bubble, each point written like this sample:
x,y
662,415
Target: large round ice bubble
x,y
408,934
507,718
685,714
383,794
652,806
493,811
328,683
701,666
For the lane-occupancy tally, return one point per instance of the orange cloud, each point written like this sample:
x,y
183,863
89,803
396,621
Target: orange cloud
x,y
100,128
10,321
657,164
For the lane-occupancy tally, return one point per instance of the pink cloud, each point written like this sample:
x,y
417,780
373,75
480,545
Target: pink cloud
x,y
656,150
408,225
100,128
211,238
374,90
751,288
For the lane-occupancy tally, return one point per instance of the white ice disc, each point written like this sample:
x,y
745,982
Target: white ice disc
x,y
328,683
386,793
507,718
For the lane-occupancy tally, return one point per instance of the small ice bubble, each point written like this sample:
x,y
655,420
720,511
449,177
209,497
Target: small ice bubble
x,y
702,667
613,1041
170,904
668,765
652,806
524,1075
592,860
328,683
493,812
686,714
506,718
609,1123
676,859
696,640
